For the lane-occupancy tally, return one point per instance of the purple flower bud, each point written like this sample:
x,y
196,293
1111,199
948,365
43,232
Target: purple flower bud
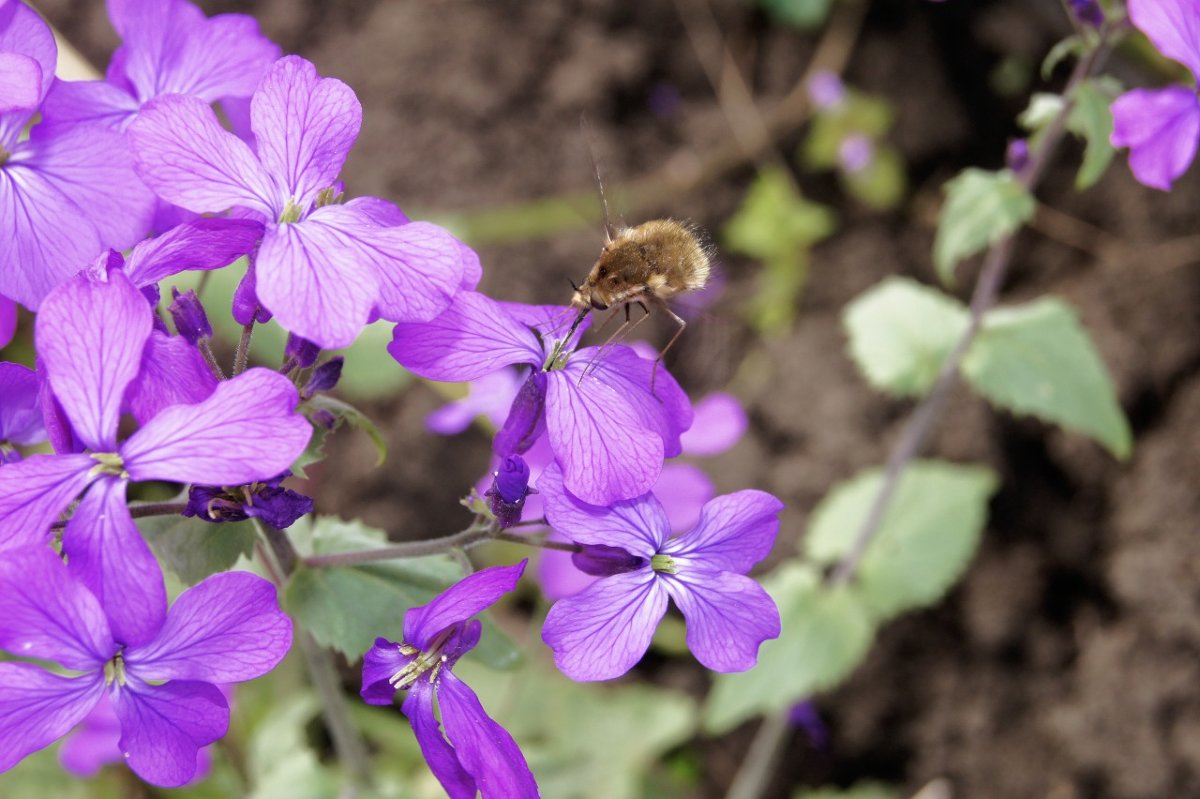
x,y
325,376
805,716
526,419
277,506
280,507
1088,12
856,153
602,560
324,418
506,497
826,90
300,351
1017,154
190,319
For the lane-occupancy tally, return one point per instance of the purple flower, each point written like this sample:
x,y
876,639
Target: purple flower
x,y
490,396
277,506
90,335
323,269
826,90
1088,12
65,192
169,47
190,319
164,690
470,753
607,430
1161,127
510,487
855,153
20,410
8,321
601,632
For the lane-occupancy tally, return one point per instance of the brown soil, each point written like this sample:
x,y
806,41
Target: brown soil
x,y
1066,663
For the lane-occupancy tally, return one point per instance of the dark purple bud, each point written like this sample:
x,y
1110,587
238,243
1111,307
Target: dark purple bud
x,y
506,497
300,351
246,307
1088,12
152,294
279,507
275,505
1017,155
325,376
601,560
214,505
526,420
325,418
804,715
190,319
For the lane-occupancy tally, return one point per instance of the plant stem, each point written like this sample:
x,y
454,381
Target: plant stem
x,y
242,356
920,425
561,546
206,350
759,764
409,549
141,510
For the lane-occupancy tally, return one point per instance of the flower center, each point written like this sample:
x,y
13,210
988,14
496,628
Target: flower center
x,y
664,564
291,213
430,661
114,671
329,196
108,463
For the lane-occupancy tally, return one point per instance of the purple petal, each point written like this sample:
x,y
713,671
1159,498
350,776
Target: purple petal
x,y
485,749
8,321
490,396
460,602
728,616
1173,26
601,632
442,759
735,532
35,491
23,31
638,525
20,82
58,426
107,553
90,336
1161,129
37,708
472,338
683,489
380,663
20,413
95,103
719,423
557,573
314,279
226,629
164,726
305,126
379,211
419,266
94,168
197,244
187,158
172,372
247,430
46,614
93,745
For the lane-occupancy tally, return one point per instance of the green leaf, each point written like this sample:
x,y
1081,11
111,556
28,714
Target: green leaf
x,y
313,453
927,537
281,764
826,633
775,220
1043,108
193,549
1037,359
584,740
1091,120
348,607
345,412
880,184
901,332
1070,46
857,115
803,14
981,208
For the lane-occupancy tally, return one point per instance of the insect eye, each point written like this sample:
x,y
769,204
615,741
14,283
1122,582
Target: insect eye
x,y
599,306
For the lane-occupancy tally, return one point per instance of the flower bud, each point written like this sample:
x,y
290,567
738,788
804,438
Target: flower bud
x,y
190,319
601,560
510,487
826,90
1088,12
325,376
526,419
855,153
300,351
277,506
1017,154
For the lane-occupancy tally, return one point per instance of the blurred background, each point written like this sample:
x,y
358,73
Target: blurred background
x,y
1066,662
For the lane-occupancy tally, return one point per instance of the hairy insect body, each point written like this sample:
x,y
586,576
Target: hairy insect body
x,y
654,261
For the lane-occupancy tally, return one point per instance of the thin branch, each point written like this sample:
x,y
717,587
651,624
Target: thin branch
x,y
561,546
242,356
409,549
206,350
141,510
759,764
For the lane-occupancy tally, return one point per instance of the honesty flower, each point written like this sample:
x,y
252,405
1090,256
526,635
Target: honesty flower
x,y
20,413
601,632
169,47
8,321
164,690
323,269
1161,127
607,430
90,334
66,193
470,753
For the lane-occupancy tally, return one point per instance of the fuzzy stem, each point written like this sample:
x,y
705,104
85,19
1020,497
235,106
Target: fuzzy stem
x,y
206,350
242,356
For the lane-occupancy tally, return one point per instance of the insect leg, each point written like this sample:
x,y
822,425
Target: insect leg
x,y
618,335
660,303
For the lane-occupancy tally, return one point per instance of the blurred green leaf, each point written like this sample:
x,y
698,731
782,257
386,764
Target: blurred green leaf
x,y
1072,46
901,332
345,412
313,453
584,740
1038,359
1091,120
981,208
348,607
803,14
1042,109
193,549
40,774
859,114
826,633
881,183
280,762
927,537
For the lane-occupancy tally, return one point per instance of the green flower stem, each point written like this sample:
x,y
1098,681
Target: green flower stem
x,y
142,509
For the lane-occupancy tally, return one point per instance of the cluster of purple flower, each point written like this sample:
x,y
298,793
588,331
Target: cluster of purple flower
x,y
103,185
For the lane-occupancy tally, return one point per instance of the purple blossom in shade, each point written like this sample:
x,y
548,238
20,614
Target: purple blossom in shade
x,y
805,716
90,334
169,47
1088,12
601,632
470,753
8,321
826,90
1016,155
299,352
719,424
1161,127
65,193
269,500
510,487
325,377
323,269
855,153
606,429
164,690
489,396
20,410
